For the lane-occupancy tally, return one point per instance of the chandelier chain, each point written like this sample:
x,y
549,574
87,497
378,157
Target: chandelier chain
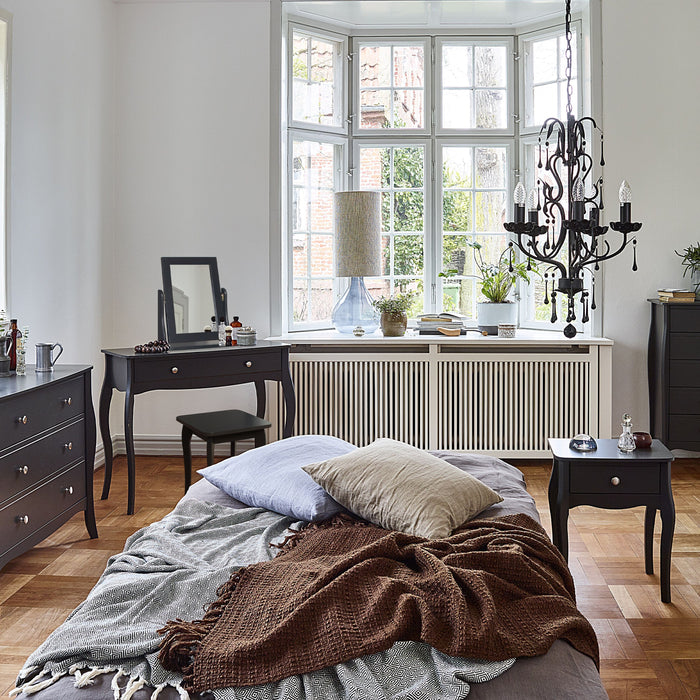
x,y
569,87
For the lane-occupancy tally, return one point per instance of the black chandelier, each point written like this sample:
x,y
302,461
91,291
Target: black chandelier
x,y
563,201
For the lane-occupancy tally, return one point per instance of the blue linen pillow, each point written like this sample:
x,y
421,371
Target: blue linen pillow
x,y
272,477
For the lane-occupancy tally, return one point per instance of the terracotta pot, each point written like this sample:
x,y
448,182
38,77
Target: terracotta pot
x,y
394,325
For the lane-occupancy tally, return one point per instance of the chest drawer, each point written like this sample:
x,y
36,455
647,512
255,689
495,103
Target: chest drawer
x,y
175,370
20,518
684,346
23,468
598,478
683,400
31,413
684,373
684,319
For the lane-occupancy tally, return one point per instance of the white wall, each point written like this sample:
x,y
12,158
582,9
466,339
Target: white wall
x,y
61,172
651,104
192,172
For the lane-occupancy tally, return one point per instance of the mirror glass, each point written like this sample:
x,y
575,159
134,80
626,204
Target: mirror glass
x,y
191,296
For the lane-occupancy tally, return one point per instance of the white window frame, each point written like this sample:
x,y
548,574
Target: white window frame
x,y
357,43
525,77
5,73
340,78
428,249
340,183
509,43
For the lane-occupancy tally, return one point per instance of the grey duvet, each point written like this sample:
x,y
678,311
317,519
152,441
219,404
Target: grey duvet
x,y
185,558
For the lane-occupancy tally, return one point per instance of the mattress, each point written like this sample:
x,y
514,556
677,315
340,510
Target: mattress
x,y
561,673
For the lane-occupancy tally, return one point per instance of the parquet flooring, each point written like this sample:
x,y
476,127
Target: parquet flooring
x,y
648,649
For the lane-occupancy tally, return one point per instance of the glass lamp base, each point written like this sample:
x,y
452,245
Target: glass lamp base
x,y
355,309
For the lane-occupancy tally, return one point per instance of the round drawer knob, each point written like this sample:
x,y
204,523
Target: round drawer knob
x,y
22,419
23,470
174,370
249,364
22,519
68,490
615,481
68,446
67,401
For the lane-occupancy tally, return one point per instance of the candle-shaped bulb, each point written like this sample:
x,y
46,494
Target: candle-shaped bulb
x,y
579,192
625,193
532,200
519,194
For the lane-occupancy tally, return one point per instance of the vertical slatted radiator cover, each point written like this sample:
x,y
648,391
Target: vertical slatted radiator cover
x,y
506,404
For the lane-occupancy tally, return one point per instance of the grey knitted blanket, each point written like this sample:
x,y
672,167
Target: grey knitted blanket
x,y
170,569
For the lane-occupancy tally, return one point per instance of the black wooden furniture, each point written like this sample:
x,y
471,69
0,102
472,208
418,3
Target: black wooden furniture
x,y
135,373
219,426
674,374
608,478
47,455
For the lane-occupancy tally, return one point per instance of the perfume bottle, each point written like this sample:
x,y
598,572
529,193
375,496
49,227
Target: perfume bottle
x,y
625,442
22,341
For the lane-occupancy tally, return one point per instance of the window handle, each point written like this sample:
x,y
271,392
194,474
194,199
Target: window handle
x,y
516,117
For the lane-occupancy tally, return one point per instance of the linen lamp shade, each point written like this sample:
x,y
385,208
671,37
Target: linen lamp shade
x,y
357,234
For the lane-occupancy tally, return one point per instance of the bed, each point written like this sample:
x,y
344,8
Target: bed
x,y
237,535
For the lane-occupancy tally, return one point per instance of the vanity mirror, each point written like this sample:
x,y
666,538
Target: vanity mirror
x,y
191,296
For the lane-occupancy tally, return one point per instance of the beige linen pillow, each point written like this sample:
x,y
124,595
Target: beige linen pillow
x,y
400,487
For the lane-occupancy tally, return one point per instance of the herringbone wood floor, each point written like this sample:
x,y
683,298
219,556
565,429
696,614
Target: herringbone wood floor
x,y
648,649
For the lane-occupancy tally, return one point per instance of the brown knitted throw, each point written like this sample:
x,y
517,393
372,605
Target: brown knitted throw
x,y
494,590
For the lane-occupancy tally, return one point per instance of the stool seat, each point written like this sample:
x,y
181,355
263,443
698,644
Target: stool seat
x,y
219,426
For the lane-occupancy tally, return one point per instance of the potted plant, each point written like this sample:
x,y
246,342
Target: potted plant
x,y
394,319
497,282
690,259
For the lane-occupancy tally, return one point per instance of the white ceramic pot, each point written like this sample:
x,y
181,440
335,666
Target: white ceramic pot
x,y
489,315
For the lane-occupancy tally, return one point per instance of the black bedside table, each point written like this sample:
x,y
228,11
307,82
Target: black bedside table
x,y
608,478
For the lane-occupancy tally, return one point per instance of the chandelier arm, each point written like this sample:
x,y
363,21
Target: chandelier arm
x,y
540,257
608,255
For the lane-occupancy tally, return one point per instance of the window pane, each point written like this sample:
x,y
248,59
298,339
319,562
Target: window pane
x,y
490,167
321,210
408,167
545,102
300,57
544,60
457,109
408,211
321,301
457,166
300,254
321,255
375,109
300,304
375,66
408,66
491,109
322,53
490,66
456,253
408,255
386,255
300,209
457,211
403,286
457,66
459,297
408,109
489,211
375,167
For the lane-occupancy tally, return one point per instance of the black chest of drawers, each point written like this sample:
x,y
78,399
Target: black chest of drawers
x,y
47,455
674,374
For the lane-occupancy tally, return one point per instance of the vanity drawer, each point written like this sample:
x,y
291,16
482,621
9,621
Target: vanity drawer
x,y
23,468
597,478
40,506
31,413
175,370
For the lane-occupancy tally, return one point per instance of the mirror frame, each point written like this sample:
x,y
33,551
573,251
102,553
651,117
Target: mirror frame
x,y
202,337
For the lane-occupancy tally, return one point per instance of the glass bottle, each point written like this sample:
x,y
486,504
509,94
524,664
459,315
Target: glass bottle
x,y
625,442
222,332
22,344
236,324
15,334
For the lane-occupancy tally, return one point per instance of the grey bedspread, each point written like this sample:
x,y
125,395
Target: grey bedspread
x,y
561,673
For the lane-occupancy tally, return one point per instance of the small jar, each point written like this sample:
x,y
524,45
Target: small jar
x,y
625,442
246,335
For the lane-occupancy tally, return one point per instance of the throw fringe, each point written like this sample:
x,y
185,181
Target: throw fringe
x,y
34,687
337,521
134,685
115,683
83,680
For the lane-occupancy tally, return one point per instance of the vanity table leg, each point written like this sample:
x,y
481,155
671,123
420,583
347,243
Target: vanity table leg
x,y
105,401
261,397
129,439
290,401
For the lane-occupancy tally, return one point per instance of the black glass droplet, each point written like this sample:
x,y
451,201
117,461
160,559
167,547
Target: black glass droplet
x,y
634,255
554,306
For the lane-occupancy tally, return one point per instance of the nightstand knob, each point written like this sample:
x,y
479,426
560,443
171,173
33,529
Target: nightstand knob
x,y
615,481
68,446
23,470
174,370
22,419
22,519
67,401
249,364
68,490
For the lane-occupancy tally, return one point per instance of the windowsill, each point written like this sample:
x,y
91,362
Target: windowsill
x,y
523,336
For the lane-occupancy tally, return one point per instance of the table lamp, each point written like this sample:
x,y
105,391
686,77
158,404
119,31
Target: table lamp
x,y
357,254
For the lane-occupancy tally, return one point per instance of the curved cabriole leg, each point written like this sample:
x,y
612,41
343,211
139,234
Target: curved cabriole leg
x,y
649,518
105,401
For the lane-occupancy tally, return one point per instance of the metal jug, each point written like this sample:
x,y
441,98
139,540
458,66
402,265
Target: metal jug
x,y
44,360
5,347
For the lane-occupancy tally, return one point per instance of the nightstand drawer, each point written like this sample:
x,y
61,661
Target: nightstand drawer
x,y
23,468
603,478
684,346
19,519
33,412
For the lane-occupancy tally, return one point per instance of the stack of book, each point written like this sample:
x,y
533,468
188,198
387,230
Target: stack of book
x,y
428,324
683,296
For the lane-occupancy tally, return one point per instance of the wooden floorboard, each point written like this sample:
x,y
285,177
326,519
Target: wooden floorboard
x,y
648,649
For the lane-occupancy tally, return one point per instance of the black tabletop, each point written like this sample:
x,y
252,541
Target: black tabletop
x,y
191,349
607,450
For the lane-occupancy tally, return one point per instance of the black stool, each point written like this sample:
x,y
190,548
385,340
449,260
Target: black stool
x,y
219,426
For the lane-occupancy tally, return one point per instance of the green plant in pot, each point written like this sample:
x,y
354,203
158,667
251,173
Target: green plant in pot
x,y
394,317
690,259
497,282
